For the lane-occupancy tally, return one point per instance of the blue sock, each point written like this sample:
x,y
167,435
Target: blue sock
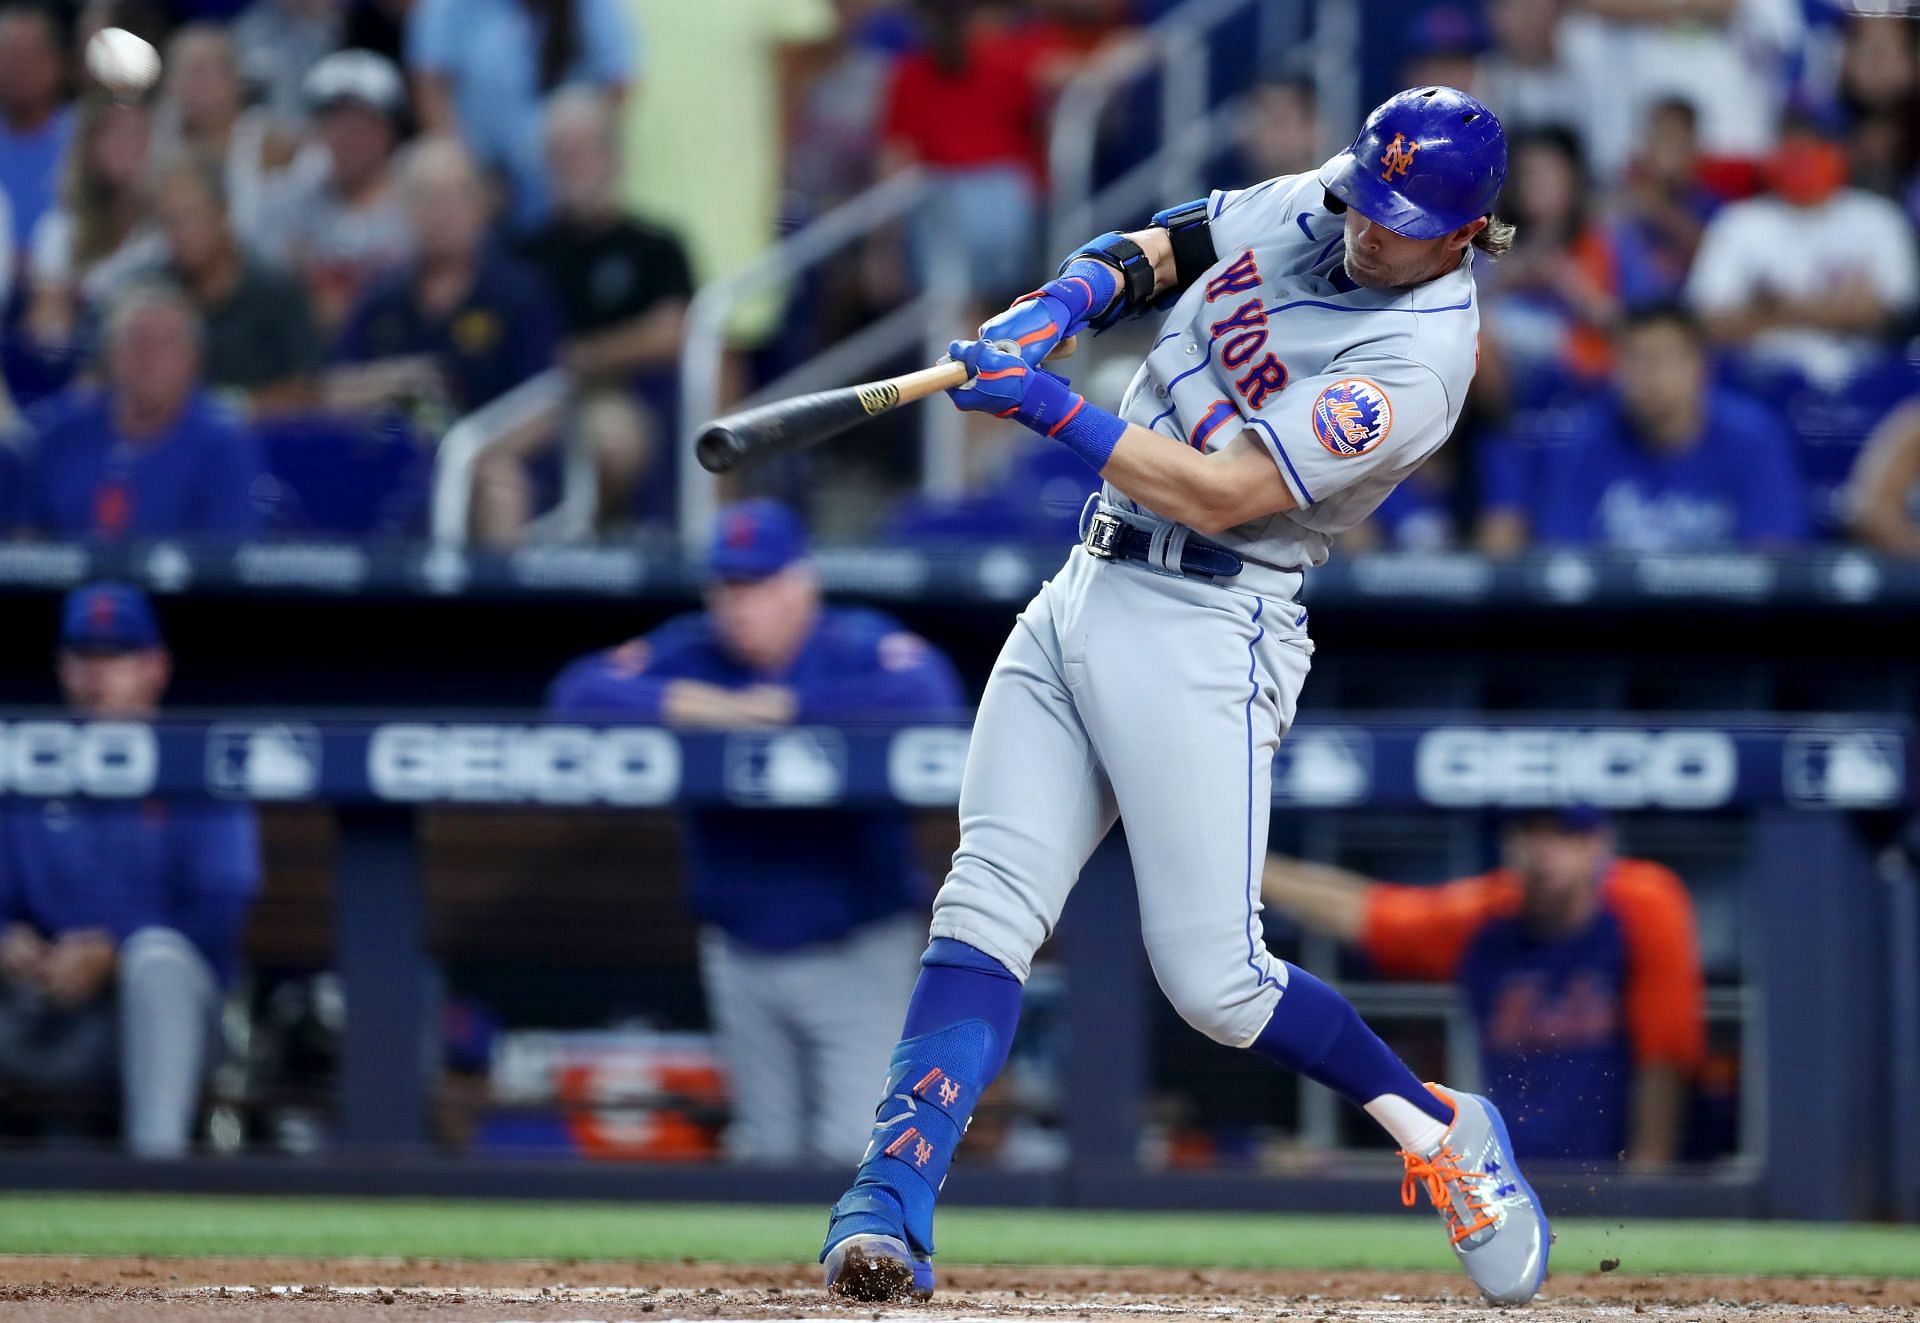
x,y
1316,1031
959,1026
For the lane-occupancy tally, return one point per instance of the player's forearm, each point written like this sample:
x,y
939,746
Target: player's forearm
x,y
1322,899
1659,1104
1207,493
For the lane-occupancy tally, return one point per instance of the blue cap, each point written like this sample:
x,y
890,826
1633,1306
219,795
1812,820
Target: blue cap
x,y
755,539
1567,817
108,617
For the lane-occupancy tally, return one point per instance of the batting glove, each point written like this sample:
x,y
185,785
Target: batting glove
x,y
1041,320
1005,386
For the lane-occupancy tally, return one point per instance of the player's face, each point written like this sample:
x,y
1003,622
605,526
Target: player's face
x,y
115,684
1557,871
1377,258
762,623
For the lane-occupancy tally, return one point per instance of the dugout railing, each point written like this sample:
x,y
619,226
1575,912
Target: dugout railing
x,y
1828,921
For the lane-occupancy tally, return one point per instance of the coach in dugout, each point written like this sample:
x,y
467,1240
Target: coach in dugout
x,y
119,919
1582,971
812,920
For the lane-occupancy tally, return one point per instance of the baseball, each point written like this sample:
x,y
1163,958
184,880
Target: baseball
x,y
122,62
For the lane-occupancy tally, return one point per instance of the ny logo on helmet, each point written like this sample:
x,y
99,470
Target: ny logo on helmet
x,y
1397,157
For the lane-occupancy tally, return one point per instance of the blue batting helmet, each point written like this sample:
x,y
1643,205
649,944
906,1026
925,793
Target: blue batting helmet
x,y
1427,161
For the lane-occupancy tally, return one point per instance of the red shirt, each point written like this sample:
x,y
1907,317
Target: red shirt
x,y
986,113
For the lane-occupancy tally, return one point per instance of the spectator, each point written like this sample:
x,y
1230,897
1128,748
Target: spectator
x,y
1526,78
732,71
1669,463
1549,302
35,126
1279,133
1444,43
967,108
344,223
1884,495
277,44
1663,209
204,111
1730,57
812,919
835,132
259,341
122,918
150,455
623,289
1582,971
1815,274
100,234
1880,98
461,325
482,68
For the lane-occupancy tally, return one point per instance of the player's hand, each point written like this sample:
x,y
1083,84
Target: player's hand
x,y
1037,323
1005,386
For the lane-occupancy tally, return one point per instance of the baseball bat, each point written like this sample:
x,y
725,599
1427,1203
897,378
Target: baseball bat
x,y
784,426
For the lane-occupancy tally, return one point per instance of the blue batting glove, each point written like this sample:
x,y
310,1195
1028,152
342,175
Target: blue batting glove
x,y
1004,386
1062,307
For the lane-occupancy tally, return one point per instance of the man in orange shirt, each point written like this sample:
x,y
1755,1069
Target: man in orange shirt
x,y
1582,969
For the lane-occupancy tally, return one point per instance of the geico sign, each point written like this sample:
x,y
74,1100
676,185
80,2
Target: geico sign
x,y
542,764
1468,767
110,759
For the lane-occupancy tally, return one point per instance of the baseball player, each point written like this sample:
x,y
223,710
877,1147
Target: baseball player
x,y
1319,345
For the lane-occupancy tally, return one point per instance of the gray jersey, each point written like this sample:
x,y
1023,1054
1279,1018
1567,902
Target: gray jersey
x,y
1349,389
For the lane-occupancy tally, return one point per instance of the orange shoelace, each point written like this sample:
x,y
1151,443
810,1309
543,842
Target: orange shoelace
x,y
1442,1174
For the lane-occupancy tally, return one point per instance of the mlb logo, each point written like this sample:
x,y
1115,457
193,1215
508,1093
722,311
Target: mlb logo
x,y
1859,769
1328,768
789,768
278,761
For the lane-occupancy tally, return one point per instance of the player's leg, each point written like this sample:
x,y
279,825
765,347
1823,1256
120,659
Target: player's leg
x,y
1191,772
169,1004
750,1001
857,989
1033,805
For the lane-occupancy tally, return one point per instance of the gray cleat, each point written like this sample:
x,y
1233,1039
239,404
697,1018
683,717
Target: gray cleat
x,y
1499,1231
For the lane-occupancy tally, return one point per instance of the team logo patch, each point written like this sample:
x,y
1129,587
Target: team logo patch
x,y
1352,416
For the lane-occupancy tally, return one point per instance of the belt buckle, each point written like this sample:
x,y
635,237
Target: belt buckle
x,y
1103,535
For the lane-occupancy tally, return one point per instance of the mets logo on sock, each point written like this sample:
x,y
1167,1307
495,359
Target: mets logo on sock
x,y
1352,416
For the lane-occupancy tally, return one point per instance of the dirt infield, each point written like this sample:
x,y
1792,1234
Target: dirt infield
x,y
321,1291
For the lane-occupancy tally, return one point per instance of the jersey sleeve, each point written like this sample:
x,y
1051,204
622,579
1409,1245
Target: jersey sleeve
x,y
1421,932
629,681
1665,989
1371,416
901,674
1242,217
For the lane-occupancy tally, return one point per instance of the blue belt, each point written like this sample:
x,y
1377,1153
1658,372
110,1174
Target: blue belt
x,y
1110,537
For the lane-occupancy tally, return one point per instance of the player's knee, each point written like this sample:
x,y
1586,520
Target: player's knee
x,y
1227,1009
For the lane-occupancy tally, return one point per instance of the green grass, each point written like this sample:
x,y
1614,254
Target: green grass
x,y
191,1226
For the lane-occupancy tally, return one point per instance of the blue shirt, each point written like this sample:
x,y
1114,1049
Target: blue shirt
x,y
66,865
503,332
83,480
778,879
30,173
489,51
1737,485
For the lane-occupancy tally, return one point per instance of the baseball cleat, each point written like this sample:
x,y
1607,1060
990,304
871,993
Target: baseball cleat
x,y
877,1269
1494,1219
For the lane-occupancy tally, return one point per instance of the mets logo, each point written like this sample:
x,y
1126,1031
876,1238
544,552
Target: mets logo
x,y
1352,416
1397,157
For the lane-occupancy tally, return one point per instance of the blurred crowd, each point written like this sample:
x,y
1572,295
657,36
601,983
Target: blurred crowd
x,y
254,298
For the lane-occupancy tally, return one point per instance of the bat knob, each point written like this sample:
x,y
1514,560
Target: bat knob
x,y
719,450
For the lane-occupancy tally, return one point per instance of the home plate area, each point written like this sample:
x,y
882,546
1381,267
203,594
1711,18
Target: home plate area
x,y
315,1291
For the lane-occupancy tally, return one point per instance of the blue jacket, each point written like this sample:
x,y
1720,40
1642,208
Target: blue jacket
x,y
68,864
778,879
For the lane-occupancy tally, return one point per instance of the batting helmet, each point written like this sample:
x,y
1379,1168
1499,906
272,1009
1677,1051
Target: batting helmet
x,y
1427,161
